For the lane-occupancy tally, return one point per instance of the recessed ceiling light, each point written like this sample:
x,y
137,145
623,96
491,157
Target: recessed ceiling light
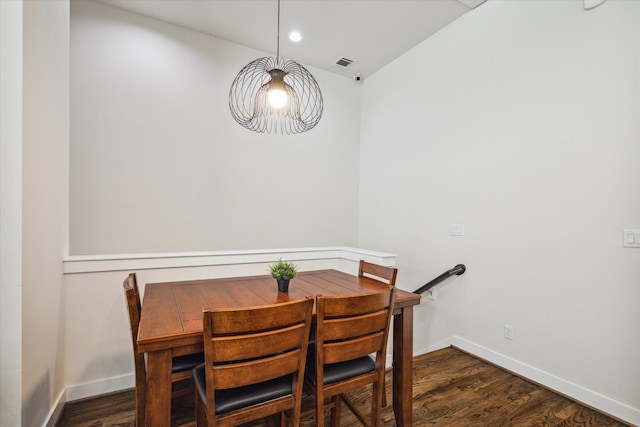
x,y
295,36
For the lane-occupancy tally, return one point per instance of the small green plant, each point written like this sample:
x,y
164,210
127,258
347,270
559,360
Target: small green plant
x,y
283,270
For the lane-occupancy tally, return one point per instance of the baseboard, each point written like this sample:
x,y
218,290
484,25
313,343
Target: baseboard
x,y
56,411
585,396
437,346
82,391
95,388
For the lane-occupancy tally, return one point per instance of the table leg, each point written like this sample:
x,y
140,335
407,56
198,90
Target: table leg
x,y
159,388
403,367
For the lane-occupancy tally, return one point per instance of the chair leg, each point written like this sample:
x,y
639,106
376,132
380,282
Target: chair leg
x,y
384,391
200,412
376,403
296,414
335,411
319,411
140,407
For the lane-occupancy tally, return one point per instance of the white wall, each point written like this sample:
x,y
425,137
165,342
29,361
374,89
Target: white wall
x,y
526,131
521,120
45,203
159,165
10,213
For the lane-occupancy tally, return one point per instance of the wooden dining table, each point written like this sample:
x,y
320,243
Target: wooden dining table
x,y
171,325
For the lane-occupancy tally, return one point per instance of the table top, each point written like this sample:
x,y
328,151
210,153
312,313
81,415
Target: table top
x,y
172,311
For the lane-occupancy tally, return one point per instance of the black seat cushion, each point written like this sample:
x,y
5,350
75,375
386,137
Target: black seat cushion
x,y
241,397
186,362
334,372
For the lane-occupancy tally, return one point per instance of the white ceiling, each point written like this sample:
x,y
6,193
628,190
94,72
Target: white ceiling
x,y
372,33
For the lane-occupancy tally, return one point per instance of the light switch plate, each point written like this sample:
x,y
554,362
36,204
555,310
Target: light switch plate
x,y
456,229
631,238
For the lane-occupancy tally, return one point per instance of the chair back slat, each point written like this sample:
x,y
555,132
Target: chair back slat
x,y
354,305
257,371
230,321
350,327
340,351
240,347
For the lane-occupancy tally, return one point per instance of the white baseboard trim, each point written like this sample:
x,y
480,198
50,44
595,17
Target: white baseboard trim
x,y
437,346
56,411
82,391
573,391
95,388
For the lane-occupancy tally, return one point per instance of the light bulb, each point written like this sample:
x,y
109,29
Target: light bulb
x,y
277,98
295,36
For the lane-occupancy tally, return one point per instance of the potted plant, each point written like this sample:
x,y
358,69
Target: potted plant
x,y
283,271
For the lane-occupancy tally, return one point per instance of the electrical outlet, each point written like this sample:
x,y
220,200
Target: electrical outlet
x,y
456,229
631,239
431,294
508,332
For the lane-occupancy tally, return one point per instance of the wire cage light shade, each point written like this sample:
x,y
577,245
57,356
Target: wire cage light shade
x,y
275,95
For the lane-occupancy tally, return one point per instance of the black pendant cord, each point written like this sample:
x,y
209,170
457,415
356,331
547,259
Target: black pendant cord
x,y
278,43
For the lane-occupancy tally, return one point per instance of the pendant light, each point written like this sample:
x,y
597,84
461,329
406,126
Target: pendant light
x,y
275,95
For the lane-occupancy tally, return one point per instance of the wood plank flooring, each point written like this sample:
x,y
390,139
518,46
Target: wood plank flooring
x,y
450,388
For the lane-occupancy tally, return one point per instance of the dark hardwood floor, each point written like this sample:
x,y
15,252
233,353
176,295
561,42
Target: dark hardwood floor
x,y
450,388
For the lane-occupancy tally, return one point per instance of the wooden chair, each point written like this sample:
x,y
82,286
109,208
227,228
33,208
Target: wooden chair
x,y
348,330
388,274
254,363
181,367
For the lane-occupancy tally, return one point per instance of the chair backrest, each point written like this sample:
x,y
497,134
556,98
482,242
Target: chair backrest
x,y
253,345
134,306
350,327
378,271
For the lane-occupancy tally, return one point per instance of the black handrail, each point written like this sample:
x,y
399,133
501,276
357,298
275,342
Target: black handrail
x,y
457,270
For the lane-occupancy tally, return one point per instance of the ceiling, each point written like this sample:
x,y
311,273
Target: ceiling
x,y
371,33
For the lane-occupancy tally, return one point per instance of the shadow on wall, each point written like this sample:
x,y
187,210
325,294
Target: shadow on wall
x,y
35,407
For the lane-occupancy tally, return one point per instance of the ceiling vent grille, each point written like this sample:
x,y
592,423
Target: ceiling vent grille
x,y
344,62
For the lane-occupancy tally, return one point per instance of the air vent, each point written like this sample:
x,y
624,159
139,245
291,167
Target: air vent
x,y
344,62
